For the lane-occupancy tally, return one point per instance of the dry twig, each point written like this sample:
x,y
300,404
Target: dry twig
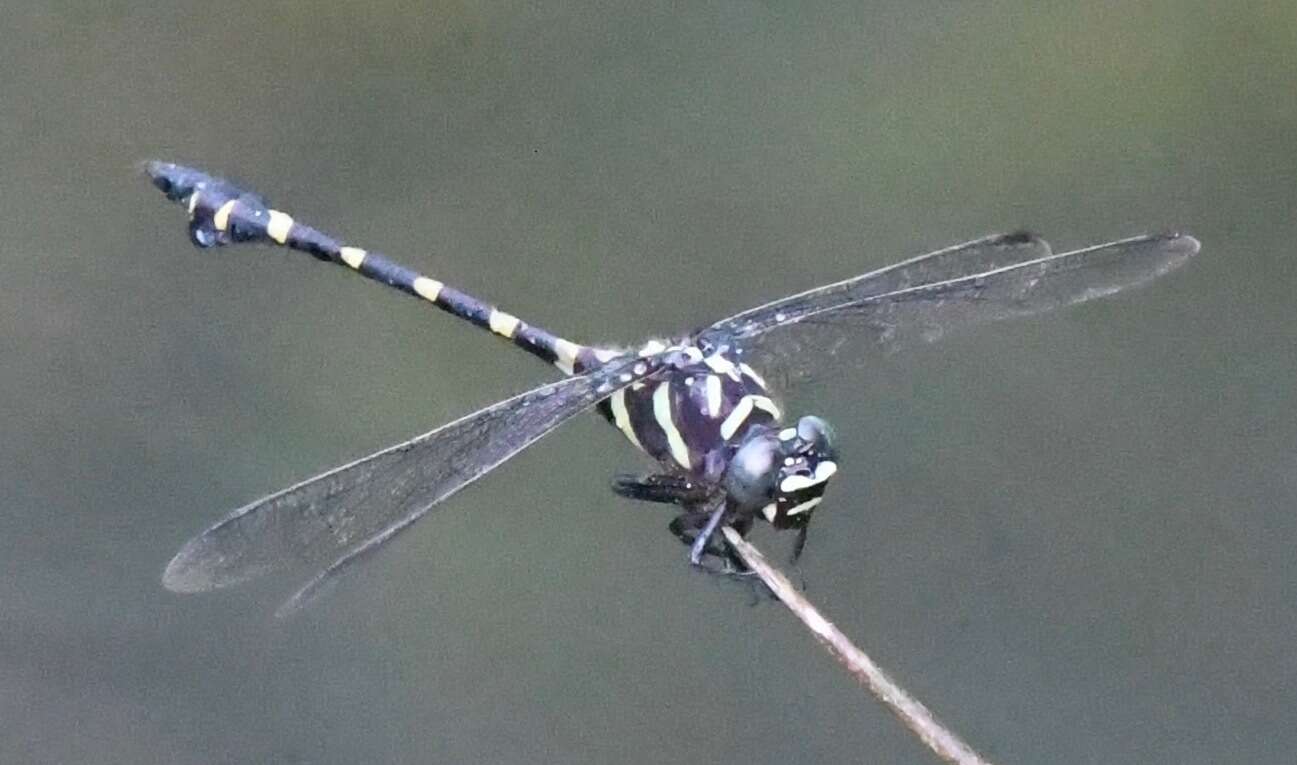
x,y
940,739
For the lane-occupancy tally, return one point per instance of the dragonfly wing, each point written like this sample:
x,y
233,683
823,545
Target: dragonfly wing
x,y
977,256
852,319
359,506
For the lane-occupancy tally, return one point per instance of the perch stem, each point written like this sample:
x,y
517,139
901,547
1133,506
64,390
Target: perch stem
x,y
944,742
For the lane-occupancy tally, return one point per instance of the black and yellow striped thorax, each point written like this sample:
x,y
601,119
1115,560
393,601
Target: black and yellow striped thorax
x,y
692,416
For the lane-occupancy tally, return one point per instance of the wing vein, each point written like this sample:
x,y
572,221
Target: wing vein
x,y
345,512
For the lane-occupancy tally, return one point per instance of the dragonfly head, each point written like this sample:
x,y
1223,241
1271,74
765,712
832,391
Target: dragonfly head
x,y
783,474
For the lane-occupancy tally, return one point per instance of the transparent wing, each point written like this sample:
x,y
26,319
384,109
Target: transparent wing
x,y
921,299
977,256
343,514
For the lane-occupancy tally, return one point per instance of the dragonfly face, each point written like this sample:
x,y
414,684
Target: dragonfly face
x,y
783,474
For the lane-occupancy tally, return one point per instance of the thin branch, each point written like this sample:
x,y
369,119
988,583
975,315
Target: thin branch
x,y
940,739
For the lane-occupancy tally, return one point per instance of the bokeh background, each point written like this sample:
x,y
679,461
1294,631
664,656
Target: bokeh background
x,y
1073,536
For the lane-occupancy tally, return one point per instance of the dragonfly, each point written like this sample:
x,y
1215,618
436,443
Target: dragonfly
x,y
695,403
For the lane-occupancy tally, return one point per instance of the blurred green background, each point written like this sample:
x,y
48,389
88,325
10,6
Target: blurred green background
x,y
1072,536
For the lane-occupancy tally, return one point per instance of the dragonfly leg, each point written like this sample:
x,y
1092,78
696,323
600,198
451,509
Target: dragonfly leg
x,y
661,487
704,537
696,528
799,545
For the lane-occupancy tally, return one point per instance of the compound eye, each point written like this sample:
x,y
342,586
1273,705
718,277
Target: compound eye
x,y
817,434
753,471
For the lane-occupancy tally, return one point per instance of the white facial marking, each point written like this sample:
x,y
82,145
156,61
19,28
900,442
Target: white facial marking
x,y
796,483
662,413
279,226
222,217
823,472
503,324
428,289
713,386
806,506
352,256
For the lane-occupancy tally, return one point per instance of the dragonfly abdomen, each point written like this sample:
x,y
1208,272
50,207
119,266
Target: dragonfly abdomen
x,y
222,213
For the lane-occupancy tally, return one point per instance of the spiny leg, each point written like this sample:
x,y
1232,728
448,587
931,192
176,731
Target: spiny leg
x,y
661,487
696,526
800,544
222,213
704,538
692,529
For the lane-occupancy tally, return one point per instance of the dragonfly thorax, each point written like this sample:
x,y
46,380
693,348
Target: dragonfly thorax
x,y
695,414
709,415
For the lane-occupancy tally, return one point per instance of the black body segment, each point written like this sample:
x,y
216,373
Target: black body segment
x,y
222,213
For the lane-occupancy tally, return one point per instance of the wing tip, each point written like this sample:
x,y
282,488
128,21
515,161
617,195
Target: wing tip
x,y
1171,249
183,576
191,570
1182,244
195,569
1179,242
